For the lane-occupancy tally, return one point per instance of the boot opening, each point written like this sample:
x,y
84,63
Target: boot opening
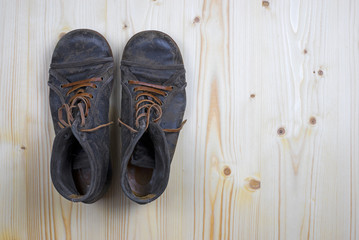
x,y
141,166
80,166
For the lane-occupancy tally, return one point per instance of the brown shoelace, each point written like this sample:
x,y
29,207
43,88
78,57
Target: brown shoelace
x,y
81,97
149,90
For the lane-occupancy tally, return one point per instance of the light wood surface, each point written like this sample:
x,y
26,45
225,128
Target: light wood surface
x,y
271,146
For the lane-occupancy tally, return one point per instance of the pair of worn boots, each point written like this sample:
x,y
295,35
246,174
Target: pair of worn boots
x,y
153,103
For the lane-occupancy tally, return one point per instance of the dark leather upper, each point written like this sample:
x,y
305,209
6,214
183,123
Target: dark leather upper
x,y
151,57
81,54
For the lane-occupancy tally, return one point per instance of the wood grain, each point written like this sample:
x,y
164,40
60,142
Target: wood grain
x,y
271,146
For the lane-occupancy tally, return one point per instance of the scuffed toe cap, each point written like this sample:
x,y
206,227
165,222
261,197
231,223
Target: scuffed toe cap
x,y
152,48
79,45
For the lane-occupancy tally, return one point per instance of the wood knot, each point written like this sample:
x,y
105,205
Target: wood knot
x,y
227,171
23,147
62,34
124,26
265,3
254,184
196,20
320,72
252,95
313,120
281,131
305,51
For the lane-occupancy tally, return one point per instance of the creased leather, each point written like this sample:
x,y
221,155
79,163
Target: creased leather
x,y
151,57
81,54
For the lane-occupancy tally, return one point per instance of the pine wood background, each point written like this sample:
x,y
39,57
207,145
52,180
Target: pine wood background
x,y
271,146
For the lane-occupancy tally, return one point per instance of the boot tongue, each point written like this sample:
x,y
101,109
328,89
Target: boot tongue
x,y
76,124
144,153
77,115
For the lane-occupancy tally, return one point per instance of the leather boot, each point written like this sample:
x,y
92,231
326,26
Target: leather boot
x,y
81,77
153,104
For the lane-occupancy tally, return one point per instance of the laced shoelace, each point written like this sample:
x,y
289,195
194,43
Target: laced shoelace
x,y
149,90
78,100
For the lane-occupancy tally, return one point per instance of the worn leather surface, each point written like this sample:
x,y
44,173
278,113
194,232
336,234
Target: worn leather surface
x,y
151,57
81,159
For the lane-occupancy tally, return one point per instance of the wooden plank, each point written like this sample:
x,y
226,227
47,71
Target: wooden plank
x,y
271,146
